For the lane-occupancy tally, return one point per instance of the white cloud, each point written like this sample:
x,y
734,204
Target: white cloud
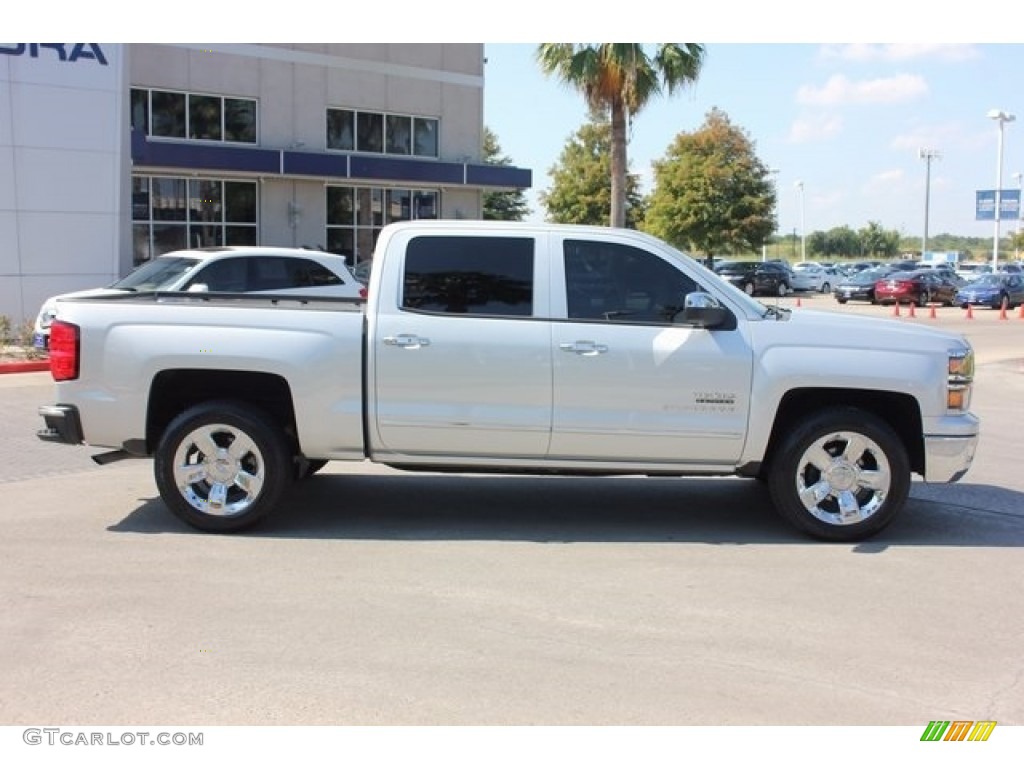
x,y
899,52
885,90
885,180
814,128
934,136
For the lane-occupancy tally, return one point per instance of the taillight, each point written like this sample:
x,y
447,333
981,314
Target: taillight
x,y
64,350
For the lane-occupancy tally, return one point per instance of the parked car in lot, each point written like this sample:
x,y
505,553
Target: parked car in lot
x,y
811,276
860,286
971,271
920,287
992,290
757,277
224,269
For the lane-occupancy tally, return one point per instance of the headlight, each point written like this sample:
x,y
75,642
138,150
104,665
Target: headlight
x,y
960,379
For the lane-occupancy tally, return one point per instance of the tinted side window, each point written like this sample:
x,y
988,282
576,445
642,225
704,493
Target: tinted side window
x,y
227,276
310,273
469,275
620,283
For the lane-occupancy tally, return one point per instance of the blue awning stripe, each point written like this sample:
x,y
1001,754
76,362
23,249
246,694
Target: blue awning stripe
x,y
193,156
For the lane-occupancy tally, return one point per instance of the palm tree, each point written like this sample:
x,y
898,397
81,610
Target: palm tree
x,y
619,79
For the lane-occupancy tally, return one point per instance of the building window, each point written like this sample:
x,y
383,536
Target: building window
x,y
171,213
341,129
355,216
399,135
378,133
202,117
426,137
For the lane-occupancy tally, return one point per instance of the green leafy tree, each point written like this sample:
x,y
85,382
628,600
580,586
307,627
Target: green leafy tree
x,y
841,242
618,80
712,193
580,191
501,205
875,241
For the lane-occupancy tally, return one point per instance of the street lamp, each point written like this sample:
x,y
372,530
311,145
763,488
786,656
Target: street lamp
x,y
1019,178
803,233
927,155
774,174
1001,118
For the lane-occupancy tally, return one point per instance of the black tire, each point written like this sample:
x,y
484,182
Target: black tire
x,y
748,288
842,301
865,469
250,482
826,288
783,289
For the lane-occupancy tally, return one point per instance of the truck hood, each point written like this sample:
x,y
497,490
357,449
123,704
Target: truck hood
x,y
816,328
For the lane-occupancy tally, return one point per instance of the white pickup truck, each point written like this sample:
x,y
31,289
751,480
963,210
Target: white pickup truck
x,y
529,348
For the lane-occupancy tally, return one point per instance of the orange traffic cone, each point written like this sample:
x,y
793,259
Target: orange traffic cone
x,y
1020,311
931,311
896,309
970,312
798,302
911,312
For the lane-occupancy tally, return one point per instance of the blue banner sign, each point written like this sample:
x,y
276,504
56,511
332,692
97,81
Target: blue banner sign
x,y
985,205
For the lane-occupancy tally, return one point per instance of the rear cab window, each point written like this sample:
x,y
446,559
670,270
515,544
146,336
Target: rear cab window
x,y
469,275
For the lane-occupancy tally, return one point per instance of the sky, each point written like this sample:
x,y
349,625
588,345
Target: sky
x,y
846,120
839,97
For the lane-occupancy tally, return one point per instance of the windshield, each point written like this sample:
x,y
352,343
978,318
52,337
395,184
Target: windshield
x,y
156,274
988,280
867,276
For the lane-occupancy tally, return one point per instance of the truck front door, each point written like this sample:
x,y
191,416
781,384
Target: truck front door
x,y
629,385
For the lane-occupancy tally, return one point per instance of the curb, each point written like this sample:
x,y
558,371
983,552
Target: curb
x,y
24,366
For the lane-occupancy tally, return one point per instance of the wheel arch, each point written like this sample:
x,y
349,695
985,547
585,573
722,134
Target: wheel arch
x,y
898,409
174,391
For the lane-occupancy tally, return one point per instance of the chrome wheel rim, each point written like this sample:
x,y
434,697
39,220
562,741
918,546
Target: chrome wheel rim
x,y
843,478
219,470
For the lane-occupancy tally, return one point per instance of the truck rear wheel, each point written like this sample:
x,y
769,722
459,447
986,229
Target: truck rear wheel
x,y
841,475
222,466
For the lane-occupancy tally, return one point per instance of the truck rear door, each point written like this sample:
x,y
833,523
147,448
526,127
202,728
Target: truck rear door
x,y
461,364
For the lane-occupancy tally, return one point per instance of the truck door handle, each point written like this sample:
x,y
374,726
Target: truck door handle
x,y
406,341
585,348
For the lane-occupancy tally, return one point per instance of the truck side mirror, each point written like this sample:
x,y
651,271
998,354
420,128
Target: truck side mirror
x,y
702,310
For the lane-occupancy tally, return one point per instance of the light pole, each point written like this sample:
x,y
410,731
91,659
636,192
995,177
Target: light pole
x,y
803,233
1001,118
773,173
1019,177
927,155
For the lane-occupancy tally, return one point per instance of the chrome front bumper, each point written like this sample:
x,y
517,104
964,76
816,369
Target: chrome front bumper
x,y
947,459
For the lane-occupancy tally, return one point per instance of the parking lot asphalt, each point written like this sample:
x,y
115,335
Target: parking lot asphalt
x,y
377,597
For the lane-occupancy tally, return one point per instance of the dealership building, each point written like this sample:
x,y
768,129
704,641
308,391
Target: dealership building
x,y
111,154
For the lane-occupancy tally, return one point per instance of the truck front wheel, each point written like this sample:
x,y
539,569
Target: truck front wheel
x,y
222,466
841,475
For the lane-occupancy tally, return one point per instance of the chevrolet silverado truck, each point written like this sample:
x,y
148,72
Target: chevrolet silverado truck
x,y
515,347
